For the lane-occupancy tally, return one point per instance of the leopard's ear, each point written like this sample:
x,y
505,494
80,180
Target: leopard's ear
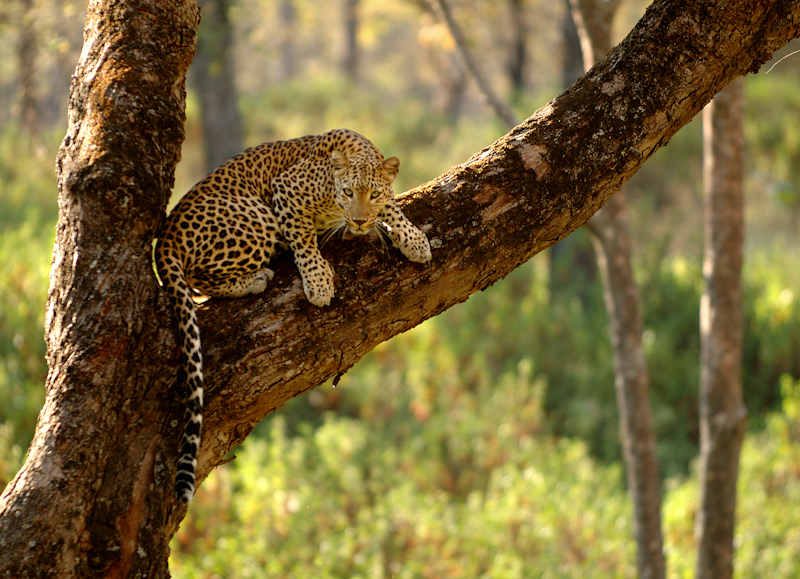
x,y
339,162
390,167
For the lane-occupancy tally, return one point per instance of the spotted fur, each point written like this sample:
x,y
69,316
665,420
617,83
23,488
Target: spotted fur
x,y
219,239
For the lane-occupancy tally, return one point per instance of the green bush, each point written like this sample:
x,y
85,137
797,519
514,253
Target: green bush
x,y
24,253
342,501
339,502
562,332
27,180
27,226
767,541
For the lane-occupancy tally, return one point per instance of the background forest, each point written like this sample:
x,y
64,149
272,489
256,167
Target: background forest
x,y
483,442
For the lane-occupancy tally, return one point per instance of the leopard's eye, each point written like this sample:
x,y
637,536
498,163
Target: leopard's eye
x,y
348,192
374,195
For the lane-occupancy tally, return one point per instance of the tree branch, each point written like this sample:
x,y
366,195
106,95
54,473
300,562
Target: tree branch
x,y
487,216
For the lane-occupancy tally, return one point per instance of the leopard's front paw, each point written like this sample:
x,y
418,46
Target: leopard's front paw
x,y
318,283
417,248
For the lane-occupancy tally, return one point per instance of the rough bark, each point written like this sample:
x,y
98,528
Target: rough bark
x,y
94,498
723,417
612,242
212,75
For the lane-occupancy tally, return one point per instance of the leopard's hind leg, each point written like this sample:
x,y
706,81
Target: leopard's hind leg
x,y
237,287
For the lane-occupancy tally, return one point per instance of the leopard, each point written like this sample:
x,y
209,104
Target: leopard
x,y
219,239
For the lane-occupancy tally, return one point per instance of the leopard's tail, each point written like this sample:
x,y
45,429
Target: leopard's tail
x,y
170,269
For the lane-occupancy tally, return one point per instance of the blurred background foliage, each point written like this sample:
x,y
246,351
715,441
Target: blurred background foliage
x,y
483,442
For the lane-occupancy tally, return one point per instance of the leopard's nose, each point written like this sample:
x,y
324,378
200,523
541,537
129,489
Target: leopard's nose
x,y
359,221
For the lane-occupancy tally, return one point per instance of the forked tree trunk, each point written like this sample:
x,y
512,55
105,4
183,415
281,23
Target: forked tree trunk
x,y
94,497
723,417
612,242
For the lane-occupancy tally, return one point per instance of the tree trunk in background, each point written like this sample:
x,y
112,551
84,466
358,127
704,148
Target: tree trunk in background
x,y
572,259
486,88
611,239
593,19
572,68
288,62
454,82
212,76
350,62
26,56
94,498
518,49
723,417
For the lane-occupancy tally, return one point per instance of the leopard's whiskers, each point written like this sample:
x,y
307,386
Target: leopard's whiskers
x,y
334,225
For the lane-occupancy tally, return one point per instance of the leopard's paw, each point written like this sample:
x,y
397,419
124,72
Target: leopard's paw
x,y
416,248
318,283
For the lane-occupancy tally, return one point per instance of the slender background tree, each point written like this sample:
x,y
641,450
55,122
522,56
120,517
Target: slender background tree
x,y
723,416
212,74
612,242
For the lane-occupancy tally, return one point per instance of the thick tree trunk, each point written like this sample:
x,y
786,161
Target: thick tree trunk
x,y
94,498
212,75
611,239
723,417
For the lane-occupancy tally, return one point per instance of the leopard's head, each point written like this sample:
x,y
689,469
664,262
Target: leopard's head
x,y
363,187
